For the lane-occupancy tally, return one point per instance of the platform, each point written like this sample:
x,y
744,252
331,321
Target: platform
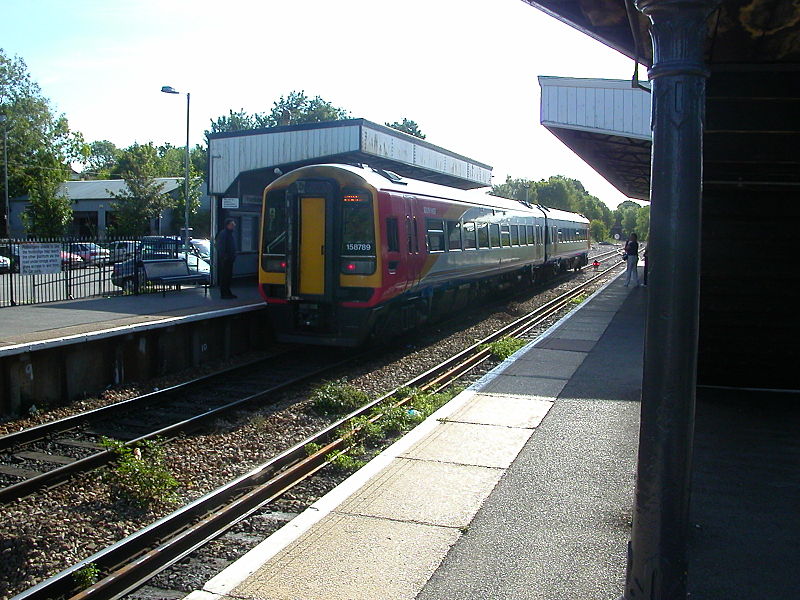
x,y
27,327
58,352
520,487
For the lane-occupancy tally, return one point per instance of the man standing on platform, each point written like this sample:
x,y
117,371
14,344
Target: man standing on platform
x,y
226,253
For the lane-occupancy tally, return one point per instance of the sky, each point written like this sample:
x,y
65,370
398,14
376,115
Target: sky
x,y
464,70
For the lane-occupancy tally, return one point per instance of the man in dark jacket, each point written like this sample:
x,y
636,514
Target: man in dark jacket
x,y
226,254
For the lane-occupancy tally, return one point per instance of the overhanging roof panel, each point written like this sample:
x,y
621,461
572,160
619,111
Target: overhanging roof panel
x,y
350,140
607,123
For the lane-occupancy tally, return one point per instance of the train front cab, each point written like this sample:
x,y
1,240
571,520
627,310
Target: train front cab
x,y
320,267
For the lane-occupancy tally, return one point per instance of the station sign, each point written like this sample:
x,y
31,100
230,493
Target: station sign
x,y
39,259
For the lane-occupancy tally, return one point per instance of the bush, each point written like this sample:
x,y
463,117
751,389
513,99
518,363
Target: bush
x,y
139,474
337,397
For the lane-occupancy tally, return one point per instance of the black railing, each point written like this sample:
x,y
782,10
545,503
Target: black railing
x,y
34,271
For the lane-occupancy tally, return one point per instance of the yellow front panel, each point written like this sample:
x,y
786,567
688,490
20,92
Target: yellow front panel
x,y
312,246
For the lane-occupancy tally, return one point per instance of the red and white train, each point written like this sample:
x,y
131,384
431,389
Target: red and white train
x,y
349,253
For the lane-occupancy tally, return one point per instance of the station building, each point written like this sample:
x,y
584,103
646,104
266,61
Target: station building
x,y
243,163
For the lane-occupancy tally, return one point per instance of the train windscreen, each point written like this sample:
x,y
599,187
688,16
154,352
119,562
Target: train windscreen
x,y
274,251
358,233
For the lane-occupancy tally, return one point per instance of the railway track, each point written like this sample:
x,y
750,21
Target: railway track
x,y
51,453
134,560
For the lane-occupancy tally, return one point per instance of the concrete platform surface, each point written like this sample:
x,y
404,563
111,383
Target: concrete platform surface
x,y
520,487
31,324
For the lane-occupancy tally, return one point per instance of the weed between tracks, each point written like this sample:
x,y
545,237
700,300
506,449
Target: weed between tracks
x,y
139,474
503,348
370,433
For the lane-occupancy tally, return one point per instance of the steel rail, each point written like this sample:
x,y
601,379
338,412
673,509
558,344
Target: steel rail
x,y
88,463
139,557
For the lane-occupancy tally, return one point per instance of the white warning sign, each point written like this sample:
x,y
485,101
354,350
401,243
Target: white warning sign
x,y
38,259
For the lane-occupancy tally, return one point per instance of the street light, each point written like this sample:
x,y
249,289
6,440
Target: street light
x,y
4,121
168,89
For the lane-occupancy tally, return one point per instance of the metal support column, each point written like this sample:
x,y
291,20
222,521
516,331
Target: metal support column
x,y
657,560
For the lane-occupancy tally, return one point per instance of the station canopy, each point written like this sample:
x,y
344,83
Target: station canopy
x,y
349,141
607,123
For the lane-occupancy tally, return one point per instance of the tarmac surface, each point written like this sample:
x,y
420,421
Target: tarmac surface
x,y
37,323
520,487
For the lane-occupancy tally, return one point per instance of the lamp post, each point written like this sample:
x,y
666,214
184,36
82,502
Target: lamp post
x,y
168,89
4,121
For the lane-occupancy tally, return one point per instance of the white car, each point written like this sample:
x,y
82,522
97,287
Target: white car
x,y
5,264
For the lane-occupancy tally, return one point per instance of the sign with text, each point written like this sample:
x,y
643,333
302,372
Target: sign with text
x,y
38,259
230,203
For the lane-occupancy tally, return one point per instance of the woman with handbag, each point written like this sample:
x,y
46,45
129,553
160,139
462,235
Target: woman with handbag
x,y
632,254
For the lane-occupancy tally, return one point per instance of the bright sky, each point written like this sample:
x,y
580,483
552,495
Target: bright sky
x,y
464,70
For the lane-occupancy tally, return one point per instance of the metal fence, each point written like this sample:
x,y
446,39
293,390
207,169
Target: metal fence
x,y
34,271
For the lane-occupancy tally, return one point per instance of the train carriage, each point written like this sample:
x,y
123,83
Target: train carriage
x,y
352,252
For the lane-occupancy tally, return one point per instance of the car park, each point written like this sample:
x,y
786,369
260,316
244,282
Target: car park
x,y
121,250
154,248
5,264
71,261
92,254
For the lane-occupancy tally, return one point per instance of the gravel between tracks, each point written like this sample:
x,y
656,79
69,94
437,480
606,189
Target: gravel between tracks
x,y
44,533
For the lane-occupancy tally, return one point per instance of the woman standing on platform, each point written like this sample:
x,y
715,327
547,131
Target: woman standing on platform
x,y
632,254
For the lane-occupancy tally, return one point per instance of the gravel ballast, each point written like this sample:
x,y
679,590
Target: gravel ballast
x,y
44,533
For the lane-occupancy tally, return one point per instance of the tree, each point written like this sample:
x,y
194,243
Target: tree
x,y
643,222
298,108
48,212
523,190
40,143
103,159
407,126
143,200
598,230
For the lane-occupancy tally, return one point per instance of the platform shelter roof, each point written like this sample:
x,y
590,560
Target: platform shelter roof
x,y
349,141
607,123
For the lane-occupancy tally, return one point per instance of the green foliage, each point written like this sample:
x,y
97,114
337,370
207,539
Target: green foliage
x,y
504,347
143,200
556,192
407,126
140,474
344,463
48,212
40,143
598,230
337,397
361,430
103,160
643,222
86,576
293,109
578,299
312,448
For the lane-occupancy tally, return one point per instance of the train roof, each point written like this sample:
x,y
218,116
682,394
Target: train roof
x,y
387,181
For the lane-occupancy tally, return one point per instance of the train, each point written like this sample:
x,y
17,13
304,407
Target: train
x,y
352,254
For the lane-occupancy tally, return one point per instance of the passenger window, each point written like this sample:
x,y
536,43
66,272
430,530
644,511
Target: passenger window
x,y
494,235
453,235
515,241
392,235
435,237
505,235
469,234
483,235
531,234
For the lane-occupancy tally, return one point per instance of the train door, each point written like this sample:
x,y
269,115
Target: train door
x,y
309,267
311,271
412,241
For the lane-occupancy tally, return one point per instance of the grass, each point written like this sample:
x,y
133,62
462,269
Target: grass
x,y
337,398
86,576
578,299
503,348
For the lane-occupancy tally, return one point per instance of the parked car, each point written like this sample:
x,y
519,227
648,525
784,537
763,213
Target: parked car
x,y
92,254
5,264
11,252
152,248
71,261
121,250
